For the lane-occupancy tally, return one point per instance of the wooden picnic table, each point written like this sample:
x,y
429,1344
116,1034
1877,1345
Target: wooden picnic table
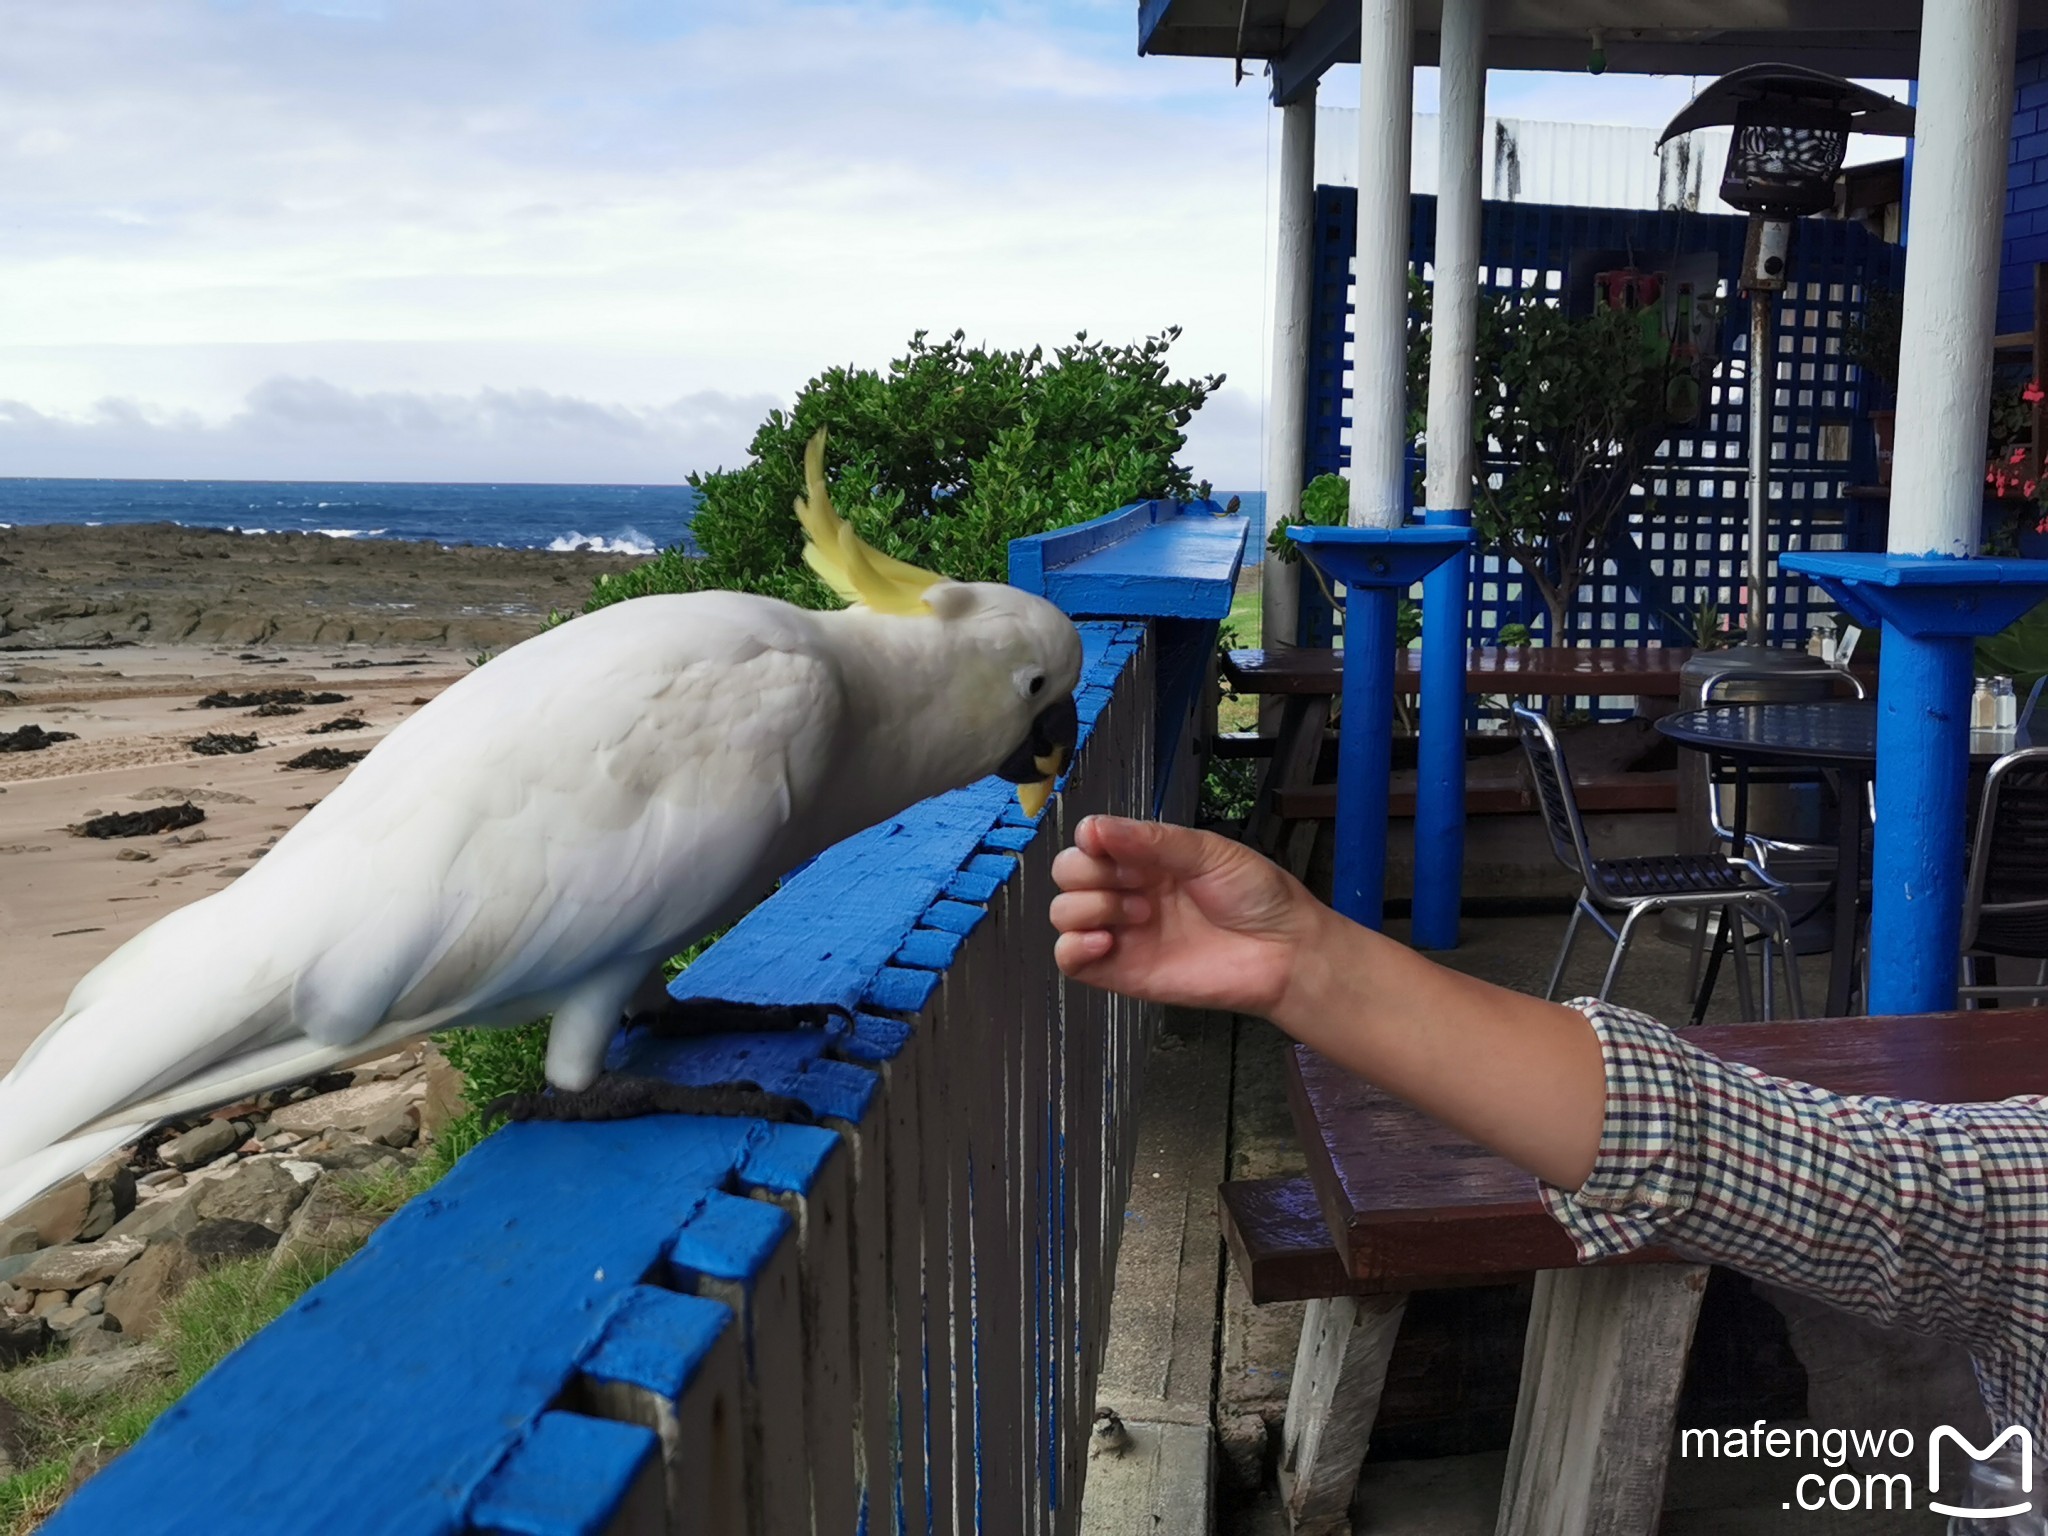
x,y
1308,680
1394,1203
1599,671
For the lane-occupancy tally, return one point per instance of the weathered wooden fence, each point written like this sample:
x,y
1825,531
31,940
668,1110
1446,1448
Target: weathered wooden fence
x,y
887,1322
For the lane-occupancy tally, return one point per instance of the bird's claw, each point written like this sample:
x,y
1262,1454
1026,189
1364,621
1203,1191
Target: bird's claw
x,y
620,1097
715,1016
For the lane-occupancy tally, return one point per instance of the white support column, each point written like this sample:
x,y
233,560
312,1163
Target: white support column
x,y
1379,391
1293,291
1454,326
1959,169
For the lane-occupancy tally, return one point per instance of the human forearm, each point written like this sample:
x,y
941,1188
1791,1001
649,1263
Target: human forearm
x,y
1188,918
1522,1077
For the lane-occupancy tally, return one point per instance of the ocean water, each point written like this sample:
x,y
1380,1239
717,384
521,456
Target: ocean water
x,y
625,519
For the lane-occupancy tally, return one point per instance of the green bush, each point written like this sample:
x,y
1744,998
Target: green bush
x,y
940,459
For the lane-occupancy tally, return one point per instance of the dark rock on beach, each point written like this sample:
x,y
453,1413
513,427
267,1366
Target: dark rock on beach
x,y
158,818
327,759
269,698
161,584
33,738
215,744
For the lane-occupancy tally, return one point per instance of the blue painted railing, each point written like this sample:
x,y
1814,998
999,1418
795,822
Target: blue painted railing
x,y
887,1322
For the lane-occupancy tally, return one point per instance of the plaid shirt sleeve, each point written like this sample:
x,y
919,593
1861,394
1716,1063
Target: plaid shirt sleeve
x,y
1924,1216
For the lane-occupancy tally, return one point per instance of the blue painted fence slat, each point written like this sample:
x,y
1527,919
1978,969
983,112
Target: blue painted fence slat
x,y
574,1477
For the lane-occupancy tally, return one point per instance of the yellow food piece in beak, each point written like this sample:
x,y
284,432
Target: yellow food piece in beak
x,y
1032,797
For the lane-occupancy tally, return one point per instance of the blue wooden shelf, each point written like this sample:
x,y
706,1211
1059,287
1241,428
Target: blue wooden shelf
x,y
1151,559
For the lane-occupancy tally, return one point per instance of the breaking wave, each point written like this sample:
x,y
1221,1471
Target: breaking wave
x,y
631,542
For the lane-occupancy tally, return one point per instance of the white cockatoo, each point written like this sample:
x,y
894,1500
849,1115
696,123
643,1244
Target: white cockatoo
x,y
547,832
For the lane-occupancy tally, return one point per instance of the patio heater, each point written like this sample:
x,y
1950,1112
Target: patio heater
x,y
1791,134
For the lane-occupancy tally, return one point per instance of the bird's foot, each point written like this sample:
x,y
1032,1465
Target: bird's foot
x,y
715,1016
617,1096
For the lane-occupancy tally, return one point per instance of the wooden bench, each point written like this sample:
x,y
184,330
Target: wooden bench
x,y
1595,671
1307,681
1393,1203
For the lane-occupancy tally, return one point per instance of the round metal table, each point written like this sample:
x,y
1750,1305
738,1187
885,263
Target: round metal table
x,y
1839,737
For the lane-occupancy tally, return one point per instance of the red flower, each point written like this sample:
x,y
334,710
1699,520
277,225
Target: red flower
x,y
2032,392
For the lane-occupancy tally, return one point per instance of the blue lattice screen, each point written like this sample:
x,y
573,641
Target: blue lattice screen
x,y
1682,541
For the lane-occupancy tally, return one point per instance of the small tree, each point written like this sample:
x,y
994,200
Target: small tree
x,y
941,459
1569,410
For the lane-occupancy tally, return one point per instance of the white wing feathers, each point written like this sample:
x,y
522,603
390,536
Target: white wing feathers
x,y
467,871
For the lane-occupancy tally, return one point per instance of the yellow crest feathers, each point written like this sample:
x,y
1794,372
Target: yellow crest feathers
x,y
844,561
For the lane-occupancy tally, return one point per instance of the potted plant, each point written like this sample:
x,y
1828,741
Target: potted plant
x,y
1570,408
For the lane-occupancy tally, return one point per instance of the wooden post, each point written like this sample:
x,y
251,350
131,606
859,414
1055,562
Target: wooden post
x,y
1601,1369
1287,429
1340,1371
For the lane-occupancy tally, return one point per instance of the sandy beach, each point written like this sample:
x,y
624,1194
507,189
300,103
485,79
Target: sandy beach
x,y
67,901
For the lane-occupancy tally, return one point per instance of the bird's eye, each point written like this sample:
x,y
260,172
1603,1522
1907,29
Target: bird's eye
x,y
1038,683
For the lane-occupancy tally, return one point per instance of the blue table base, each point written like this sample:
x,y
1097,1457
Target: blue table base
x,y
1932,608
1376,565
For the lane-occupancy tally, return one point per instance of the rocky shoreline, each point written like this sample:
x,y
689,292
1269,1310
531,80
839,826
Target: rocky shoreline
x,y
75,587
93,1263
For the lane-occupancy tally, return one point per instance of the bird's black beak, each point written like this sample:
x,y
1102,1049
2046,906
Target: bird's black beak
x,y
1042,755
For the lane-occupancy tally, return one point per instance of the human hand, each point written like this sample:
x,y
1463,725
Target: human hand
x,y
1178,916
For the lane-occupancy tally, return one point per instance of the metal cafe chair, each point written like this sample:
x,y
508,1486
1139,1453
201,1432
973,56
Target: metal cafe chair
x,y
1634,888
1715,693
1806,870
2005,903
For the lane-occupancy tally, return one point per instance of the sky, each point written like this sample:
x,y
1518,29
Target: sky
x,y
597,240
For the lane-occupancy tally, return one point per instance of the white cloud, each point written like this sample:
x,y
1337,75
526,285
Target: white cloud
x,y
310,429
624,201
481,197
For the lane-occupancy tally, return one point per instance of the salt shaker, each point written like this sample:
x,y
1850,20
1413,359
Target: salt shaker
x,y
2005,704
1983,707
1820,639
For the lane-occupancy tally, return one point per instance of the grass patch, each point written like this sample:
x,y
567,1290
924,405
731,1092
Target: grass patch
x,y
215,1314
1247,609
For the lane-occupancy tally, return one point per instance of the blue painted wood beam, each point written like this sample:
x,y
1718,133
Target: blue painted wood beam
x,y
1151,559
1151,13
1330,37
